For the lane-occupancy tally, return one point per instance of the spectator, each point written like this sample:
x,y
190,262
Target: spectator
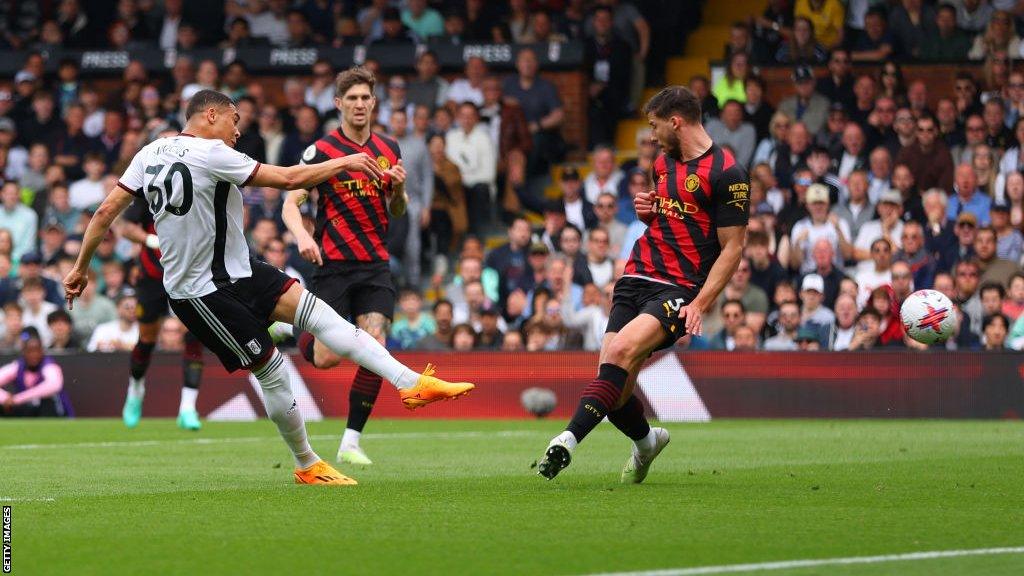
x,y
1013,158
1013,305
1010,243
818,224
413,325
802,47
543,109
832,277
604,176
35,308
754,299
984,168
968,198
578,211
902,282
912,22
428,88
996,327
928,159
999,35
607,57
974,134
827,16
117,335
853,155
441,338
510,259
320,92
733,132
38,383
923,264
20,220
857,210
889,226
992,295
590,320
905,127
808,339
469,88
600,265
542,30
732,85
965,293
744,339
396,100
765,271
813,312
91,309
448,218
490,334
993,268
464,338
605,209
512,341
997,135
470,148
570,240
701,87
424,21
419,186
877,42
878,272
806,105
63,337
270,129
307,132
867,331
89,191
846,319
789,323
1013,195
973,15
757,111
948,43
732,313
832,135
768,148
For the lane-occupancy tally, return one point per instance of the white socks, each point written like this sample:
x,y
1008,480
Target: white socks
x,y
188,399
136,387
350,439
316,317
567,438
281,407
647,444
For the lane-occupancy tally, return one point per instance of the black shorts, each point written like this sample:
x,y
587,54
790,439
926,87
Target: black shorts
x,y
153,303
635,296
356,288
232,322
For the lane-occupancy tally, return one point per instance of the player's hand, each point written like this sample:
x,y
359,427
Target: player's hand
x,y
692,318
308,249
74,284
397,175
644,204
363,163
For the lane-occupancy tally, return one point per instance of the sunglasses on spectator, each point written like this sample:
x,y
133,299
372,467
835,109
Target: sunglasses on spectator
x,y
964,225
880,249
604,205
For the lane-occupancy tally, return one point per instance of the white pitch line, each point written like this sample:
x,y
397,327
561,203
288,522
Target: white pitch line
x,y
205,441
789,564
4,499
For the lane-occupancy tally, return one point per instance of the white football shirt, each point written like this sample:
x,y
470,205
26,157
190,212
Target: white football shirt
x,y
191,187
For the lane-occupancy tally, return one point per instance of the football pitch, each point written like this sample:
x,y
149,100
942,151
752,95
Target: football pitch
x,y
459,497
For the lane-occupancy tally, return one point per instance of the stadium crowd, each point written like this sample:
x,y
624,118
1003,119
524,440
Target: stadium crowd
x,y
863,188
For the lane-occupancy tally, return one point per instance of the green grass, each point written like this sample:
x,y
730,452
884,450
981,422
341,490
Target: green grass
x,y
457,497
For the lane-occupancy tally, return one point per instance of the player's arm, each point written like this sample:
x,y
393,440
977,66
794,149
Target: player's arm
x,y
113,205
731,239
309,175
292,217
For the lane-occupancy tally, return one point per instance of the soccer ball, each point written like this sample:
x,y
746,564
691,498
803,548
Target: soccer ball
x,y
539,401
928,316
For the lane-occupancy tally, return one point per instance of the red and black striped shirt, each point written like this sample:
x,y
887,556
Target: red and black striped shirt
x,y
693,199
149,258
352,216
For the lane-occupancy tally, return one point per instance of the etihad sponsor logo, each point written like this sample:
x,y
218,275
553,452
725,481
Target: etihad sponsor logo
x,y
675,209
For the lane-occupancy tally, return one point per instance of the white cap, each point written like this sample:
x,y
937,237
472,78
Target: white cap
x,y
813,282
189,91
817,193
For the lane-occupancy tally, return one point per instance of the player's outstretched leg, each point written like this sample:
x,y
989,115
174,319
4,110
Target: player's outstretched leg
x,y
142,355
282,409
597,399
361,397
647,442
192,372
343,338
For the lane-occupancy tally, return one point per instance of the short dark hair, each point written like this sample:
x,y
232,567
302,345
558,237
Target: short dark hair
x,y
675,100
987,286
58,316
868,311
442,302
987,320
206,99
987,229
737,302
353,77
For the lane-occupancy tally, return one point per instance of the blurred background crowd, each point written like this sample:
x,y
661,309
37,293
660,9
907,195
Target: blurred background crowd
x,y
866,184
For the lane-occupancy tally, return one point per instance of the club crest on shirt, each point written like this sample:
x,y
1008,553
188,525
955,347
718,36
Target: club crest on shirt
x,y
691,183
309,153
383,162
